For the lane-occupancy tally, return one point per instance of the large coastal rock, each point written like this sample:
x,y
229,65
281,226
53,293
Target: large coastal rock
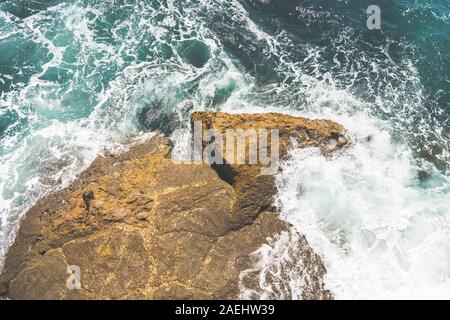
x,y
255,191
160,230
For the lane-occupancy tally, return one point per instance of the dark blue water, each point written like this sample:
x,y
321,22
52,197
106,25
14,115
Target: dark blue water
x,y
75,74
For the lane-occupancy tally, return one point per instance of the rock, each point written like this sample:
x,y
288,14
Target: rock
x,y
160,230
254,191
44,278
157,118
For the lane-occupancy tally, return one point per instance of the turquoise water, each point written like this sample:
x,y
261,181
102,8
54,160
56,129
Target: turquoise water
x,y
75,74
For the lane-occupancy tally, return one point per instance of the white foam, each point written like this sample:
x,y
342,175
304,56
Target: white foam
x,y
380,235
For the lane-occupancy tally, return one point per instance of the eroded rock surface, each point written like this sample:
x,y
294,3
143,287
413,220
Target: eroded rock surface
x,y
158,230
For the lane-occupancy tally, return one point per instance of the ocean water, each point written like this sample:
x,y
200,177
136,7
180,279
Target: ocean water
x,y
74,75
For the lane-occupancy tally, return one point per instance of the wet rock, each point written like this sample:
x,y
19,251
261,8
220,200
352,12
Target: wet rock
x,y
423,175
155,119
158,118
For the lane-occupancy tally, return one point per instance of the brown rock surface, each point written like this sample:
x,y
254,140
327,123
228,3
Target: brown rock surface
x,y
158,230
254,192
